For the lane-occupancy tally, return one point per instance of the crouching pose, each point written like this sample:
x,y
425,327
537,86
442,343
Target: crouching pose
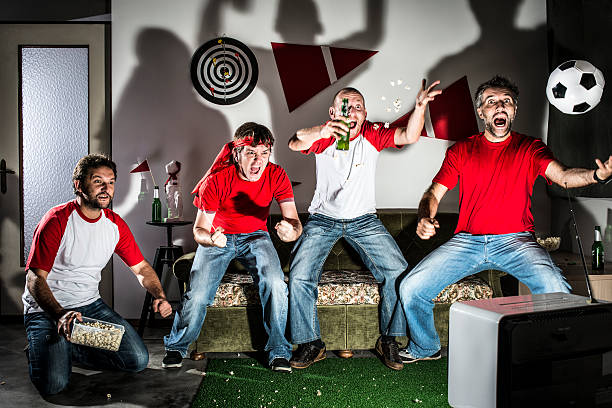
x,y
496,170
71,245
233,201
344,206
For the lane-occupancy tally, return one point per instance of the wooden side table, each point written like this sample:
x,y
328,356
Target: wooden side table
x,y
571,265
164,256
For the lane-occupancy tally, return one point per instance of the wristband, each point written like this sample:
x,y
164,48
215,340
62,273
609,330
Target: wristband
x,y
600,181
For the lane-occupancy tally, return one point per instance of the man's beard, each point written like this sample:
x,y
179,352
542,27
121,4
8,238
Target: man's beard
x,y
94,203
490,126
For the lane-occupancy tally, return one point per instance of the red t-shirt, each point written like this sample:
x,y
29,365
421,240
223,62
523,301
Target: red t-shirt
x,y
74,249
495,181
243,206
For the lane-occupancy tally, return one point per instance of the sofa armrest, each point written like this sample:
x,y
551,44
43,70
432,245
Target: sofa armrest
x,y
182,267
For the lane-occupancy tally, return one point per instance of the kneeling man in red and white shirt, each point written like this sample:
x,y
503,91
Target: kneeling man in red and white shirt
x,y
71,245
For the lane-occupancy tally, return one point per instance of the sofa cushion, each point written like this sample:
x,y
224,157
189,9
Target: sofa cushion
x,y
343,288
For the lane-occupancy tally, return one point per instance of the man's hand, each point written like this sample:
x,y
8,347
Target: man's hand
x,y
285,231
64,323
218,239
604,170
335,128
427,95
426,228
162,306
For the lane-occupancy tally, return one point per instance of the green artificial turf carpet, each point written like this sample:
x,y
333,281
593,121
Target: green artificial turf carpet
x,y
334,382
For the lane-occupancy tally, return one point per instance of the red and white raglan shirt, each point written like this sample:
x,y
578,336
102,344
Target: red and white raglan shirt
x,y
346,178
242,206
74,249
495,182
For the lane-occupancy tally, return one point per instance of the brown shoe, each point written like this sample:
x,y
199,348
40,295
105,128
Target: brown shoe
x,y
306,355
389,352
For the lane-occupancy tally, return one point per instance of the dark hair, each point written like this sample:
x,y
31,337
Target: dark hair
x,y
500,82
348,90
88,163
259,133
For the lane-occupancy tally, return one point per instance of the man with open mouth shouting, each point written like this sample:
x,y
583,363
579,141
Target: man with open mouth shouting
x,y
344,206
233,200
496,170
71,245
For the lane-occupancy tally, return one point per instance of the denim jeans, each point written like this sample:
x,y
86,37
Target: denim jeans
x,y
379,252
257,253
50,355
465,254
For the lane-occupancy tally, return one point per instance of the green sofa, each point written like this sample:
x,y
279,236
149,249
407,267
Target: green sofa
x,y
234,325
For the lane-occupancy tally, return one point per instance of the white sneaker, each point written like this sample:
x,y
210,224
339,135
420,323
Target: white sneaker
x,y
408,358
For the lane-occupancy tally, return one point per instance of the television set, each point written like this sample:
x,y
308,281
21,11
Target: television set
x,y
536,350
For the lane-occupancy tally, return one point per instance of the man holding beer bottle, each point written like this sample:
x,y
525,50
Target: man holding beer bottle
x,y
344,206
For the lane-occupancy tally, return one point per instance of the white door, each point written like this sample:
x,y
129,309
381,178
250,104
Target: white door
x,y
44,95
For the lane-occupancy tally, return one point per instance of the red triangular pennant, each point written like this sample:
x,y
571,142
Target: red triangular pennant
x,y
144,166
302,72
452,113
346,59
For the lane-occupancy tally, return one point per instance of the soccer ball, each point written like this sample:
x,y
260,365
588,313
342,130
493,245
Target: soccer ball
x,y
575,87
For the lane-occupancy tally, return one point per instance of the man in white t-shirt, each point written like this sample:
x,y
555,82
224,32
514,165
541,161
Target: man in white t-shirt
x,y
344,206
71,245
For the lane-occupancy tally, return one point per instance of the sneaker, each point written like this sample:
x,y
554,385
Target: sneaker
x,y
172,359
389,352
408,358
306,355
281,365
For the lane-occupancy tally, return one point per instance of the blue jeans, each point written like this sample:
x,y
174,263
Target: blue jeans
x,y
257,253
379,252
50,355
465,254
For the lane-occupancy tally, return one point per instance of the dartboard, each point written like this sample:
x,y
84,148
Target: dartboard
x,y
224,71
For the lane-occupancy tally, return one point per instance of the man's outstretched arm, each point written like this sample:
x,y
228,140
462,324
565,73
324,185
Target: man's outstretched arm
x,y
412,132
577,177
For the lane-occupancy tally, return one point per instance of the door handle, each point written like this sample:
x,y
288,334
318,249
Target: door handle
x,y
3,173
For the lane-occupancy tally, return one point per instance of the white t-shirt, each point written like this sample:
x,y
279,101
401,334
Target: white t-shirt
x,y
74,249
346,179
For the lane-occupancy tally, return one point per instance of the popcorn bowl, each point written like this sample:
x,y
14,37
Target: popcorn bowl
x,y
549,243
97,333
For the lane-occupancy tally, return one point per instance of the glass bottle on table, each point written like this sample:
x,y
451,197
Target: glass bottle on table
x,y
156,208
597,252
343,142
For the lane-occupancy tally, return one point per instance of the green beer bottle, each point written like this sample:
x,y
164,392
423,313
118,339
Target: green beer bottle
x,y
597,252
156,208
343,142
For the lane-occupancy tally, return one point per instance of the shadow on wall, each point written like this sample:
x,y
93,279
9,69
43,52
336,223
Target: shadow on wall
x,y
518,54
296,23
503,48
160,117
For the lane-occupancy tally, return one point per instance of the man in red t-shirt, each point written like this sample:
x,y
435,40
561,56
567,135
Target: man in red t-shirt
x,y
71,245
496,170
233,201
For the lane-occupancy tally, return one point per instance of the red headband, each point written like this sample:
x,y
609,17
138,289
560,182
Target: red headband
x,y
221,162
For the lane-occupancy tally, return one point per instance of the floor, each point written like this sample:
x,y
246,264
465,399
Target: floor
x,y
154,387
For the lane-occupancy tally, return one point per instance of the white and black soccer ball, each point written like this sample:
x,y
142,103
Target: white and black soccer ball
x,y
575,87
